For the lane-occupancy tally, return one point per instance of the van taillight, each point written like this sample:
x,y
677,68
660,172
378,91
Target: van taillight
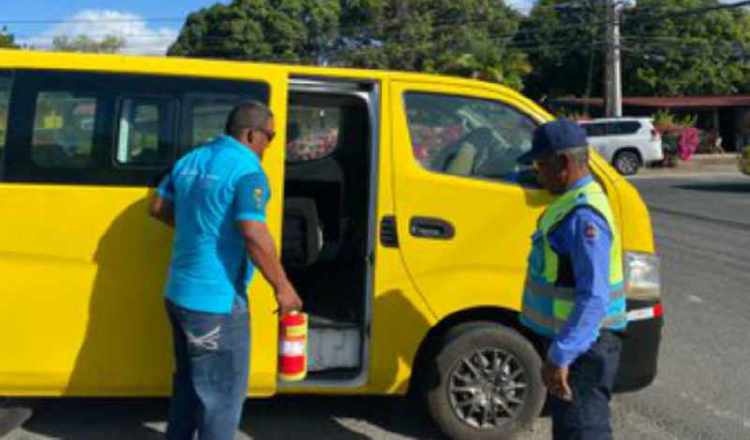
x,y
654,135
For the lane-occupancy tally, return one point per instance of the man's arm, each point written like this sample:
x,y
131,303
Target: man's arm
x,y
251,197
161,206
262,251
586,238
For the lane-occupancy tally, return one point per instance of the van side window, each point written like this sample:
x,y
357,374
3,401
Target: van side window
x,y
5,89
95,128
207,115
313,131
63,134
146,132
469,137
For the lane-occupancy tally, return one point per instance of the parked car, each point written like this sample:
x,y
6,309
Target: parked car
x,y
743,160
626,143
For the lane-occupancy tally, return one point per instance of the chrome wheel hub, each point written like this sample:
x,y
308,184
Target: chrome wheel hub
x,y
487,388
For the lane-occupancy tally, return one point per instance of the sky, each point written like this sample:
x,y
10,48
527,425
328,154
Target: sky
x,y
147,26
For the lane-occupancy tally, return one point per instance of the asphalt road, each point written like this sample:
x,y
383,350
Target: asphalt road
x,y
702,226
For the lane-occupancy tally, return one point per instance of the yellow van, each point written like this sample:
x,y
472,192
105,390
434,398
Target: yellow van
x,y
402,215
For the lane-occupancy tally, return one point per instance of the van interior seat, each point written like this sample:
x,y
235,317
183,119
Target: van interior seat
x,y
321,181
302,238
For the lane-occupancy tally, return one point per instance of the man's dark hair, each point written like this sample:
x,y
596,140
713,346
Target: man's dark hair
x,y
252,115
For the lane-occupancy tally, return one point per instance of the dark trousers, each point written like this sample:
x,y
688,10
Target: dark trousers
x,y
591,379
212,353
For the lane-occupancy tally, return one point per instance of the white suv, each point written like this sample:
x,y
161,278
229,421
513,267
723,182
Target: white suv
x,y
626,143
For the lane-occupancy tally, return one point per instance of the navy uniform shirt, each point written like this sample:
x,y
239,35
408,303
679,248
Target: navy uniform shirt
x,y
586,238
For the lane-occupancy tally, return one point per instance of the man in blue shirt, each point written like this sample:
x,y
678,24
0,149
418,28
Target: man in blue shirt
x,y
216,198
573,297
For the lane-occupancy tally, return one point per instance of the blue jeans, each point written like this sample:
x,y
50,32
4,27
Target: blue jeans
x,y
591,379
212,357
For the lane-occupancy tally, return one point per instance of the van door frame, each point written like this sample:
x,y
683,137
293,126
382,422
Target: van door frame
x,y
369,91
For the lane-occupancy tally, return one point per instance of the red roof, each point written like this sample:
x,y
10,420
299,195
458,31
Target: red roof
x,y
668,102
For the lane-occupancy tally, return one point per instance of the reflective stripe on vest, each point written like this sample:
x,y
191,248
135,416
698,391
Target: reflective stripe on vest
x,y
546,305
565,293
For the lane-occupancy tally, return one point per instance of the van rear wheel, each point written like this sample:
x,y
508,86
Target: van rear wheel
x,y
487,383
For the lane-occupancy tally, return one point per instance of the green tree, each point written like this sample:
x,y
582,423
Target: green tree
x,y
7,40
460,37
83,43
294,31
564,43
669,53
665,52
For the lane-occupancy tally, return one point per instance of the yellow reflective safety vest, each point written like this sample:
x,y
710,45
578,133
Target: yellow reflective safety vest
x,y
549,294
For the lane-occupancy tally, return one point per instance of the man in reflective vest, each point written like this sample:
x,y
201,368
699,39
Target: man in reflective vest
x,y
574,295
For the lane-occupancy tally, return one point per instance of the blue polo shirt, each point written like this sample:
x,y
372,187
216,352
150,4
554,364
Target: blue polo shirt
x,y
212,188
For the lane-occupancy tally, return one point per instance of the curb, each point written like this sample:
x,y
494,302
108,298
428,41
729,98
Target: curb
x,y
701,161
712,159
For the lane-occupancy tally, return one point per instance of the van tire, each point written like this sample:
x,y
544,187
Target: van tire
x,y
464,344
627,162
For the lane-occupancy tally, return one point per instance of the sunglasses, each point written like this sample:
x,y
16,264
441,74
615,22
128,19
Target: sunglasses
x,y
537,165
269,134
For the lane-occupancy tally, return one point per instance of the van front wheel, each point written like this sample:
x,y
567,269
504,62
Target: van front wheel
x,y
487,383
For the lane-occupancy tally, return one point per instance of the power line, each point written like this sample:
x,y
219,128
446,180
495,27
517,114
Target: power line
x,y
510,40
91,20
694,11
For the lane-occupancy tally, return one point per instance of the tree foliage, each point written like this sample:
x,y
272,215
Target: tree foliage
x,y
564,43
294,31
678,54
83,43
461,37
7,40
665,52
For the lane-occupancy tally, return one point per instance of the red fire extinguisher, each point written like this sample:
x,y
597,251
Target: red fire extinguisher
x,y
293,347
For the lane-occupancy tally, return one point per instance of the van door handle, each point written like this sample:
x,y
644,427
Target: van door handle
x,y
428,227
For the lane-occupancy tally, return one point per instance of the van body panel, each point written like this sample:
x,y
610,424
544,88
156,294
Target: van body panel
x,y
629,209
401,318
484,263
85,300
81,324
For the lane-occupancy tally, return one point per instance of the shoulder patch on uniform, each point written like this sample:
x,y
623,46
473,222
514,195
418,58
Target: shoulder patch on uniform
x,y
590,230
258,196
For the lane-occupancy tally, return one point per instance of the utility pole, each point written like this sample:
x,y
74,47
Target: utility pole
x,y
613,75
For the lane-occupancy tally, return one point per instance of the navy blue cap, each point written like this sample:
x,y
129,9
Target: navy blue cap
x,y
558,135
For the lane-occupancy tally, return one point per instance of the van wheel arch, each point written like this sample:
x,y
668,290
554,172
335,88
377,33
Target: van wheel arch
x,y
438,335
490,333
